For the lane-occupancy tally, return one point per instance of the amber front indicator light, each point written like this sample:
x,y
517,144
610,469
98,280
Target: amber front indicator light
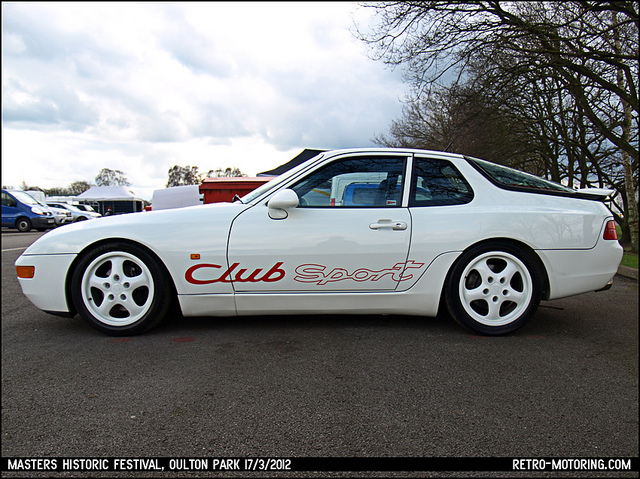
x,y
610,232
26,272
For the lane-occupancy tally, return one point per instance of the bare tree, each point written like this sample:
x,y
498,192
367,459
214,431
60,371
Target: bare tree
x,y
461,120
566,72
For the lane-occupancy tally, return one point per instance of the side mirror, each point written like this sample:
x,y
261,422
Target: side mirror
x,y
282,201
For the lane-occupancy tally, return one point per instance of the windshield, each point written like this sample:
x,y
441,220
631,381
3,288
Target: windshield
x,y
25,198
249,197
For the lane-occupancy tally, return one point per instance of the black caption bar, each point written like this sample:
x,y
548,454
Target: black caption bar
x,y
298,464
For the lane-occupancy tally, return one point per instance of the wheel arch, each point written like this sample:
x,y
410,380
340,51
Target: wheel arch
x,y
81,254
519,244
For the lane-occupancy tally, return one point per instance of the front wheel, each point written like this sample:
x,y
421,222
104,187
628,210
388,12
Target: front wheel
x,y
23,225
494,289
120,289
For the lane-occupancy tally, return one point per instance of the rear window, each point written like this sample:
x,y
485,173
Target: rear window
x,y
513,179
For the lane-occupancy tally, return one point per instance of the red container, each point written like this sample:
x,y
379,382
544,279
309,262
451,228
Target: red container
x,y
219,190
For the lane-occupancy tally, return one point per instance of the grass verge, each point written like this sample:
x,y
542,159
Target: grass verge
x,y
630,259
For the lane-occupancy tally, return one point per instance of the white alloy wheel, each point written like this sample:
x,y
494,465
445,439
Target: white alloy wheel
x,y
495,288
117,288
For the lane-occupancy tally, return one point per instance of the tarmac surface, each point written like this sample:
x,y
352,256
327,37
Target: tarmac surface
x,y
566,385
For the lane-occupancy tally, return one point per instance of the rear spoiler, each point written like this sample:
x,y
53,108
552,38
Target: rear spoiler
x,y
596,193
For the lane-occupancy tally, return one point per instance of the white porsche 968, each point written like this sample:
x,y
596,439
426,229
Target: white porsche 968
x,y
368,231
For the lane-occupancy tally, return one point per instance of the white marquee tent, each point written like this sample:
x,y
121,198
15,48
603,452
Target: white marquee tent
x,y
119,199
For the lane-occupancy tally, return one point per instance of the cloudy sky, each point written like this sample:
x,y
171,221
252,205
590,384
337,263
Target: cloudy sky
x,y
140,87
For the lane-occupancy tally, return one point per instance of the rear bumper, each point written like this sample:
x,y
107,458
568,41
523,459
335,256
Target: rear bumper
x,y
607,286
574,272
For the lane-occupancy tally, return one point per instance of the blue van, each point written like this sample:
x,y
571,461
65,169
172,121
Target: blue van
x,y
23,212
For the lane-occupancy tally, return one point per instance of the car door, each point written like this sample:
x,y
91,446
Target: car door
x,y
10,210
334,240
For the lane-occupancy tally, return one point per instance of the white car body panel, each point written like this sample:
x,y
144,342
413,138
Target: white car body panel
x,y
163,232
324,249
341,264
575,271
421,300
46,289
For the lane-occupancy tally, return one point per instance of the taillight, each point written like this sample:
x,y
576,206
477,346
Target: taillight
x,y
610,232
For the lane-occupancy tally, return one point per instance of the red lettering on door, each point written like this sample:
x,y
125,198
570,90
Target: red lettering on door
x,y
274,274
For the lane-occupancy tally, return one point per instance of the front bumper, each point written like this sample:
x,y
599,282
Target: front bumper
x,y
41,222
63,220
47,289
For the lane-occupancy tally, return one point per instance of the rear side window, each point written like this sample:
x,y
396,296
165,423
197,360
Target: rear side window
x,y
438,183
517,180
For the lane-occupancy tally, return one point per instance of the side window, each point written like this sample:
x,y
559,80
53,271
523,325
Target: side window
x,y
354,182
438,183
8,200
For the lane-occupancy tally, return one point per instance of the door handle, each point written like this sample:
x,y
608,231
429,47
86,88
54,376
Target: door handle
x,y
394,225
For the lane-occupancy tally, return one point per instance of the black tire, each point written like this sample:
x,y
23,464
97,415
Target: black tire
x,y
23,224
494,288
81,218
120,289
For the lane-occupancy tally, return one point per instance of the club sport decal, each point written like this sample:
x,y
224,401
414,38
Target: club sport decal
x,y
315,273
305,273
274,274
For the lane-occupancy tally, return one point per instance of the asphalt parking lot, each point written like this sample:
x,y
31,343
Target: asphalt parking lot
x,y
566,385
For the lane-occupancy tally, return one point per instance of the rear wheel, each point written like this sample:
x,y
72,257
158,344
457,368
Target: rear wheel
x,y
23,225
494,288
120,289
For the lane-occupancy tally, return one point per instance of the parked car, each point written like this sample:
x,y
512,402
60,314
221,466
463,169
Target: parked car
x,y
89,209
23,212
76,214
486,242
61,215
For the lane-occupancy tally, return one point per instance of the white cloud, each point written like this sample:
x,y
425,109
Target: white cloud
x,y
141,87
